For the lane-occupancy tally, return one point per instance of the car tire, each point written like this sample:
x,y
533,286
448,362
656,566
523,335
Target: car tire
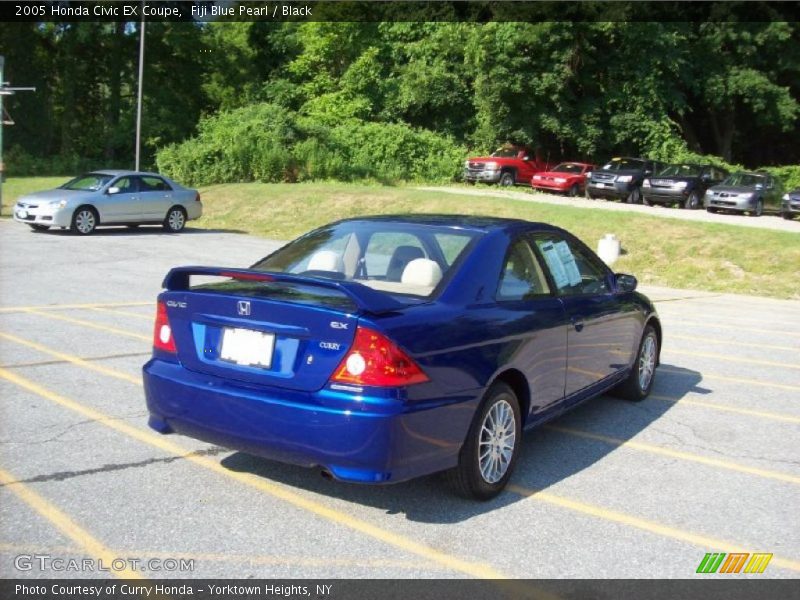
x,y
84,220
587,194
175,220
787,215
507,179
645,201
640,381
759,209
692,202
498,414
711,210
37,227
634,197
574,191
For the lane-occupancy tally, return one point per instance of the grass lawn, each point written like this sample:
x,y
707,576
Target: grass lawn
x,y
658,250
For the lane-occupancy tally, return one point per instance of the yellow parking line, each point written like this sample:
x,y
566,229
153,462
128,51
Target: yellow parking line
x,y
90,324
735,327
8,309
725,357
643,524
167,446
692,338
64,523
734,409
472,568
72,359
688,456
126,313
706,375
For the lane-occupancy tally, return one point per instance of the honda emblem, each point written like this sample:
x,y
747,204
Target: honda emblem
x,y
243,308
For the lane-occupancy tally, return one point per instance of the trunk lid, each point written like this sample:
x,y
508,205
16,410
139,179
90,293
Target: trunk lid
x,y
265,329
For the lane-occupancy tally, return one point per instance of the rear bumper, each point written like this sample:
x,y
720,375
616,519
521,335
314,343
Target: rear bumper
x,y
387,442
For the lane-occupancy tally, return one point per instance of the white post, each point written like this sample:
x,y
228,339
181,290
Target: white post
x,y
139,95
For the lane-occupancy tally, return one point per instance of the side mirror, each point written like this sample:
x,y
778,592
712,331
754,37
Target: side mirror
x,y
759,186
625,283
113,190
526,157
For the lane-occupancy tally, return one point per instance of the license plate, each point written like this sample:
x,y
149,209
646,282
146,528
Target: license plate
x,y
247,347
22,214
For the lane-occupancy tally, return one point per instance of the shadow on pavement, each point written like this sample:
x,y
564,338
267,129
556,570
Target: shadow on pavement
x,y
547,456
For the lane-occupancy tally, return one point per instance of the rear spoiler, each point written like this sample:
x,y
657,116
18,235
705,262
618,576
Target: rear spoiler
x,y
365,298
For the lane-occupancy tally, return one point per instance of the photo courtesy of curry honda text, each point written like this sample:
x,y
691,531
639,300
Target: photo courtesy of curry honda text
x,y
379,349
103,198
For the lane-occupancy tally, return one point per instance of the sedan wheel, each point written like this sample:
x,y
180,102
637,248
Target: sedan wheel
x,y
574,191
175,220
634,197
759,209
692,202
640,381
84,221
490,451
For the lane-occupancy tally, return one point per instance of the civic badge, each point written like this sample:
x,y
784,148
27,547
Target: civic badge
x,y
243,308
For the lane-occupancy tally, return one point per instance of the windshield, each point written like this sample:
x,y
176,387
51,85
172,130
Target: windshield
x,y
90,182
506,153
568,168
623,164
396,258
743,180
681,171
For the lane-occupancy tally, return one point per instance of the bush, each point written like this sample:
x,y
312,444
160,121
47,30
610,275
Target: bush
x,y
269,143
789,175
246,144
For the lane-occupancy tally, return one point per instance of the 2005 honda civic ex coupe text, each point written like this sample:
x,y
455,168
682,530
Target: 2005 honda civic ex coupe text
x,y
384,348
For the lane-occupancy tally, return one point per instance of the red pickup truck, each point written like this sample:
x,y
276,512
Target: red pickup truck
x,y
507,165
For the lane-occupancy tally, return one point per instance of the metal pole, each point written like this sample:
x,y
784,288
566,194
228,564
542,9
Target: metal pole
x,y
2,119
139,95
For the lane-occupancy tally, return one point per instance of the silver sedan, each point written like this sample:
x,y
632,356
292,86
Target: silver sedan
x,y
111,198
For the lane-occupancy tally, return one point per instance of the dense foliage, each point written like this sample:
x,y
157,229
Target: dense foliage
x,y
288,101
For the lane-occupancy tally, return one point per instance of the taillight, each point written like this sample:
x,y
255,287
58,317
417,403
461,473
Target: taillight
x,y
376,360
197,197
162,333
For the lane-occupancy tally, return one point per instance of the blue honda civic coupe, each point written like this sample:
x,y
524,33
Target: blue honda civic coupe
x,y
379,349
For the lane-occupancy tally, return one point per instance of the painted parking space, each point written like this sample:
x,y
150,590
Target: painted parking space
x,y
709,463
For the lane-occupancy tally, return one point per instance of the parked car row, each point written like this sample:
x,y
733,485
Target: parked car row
x,y
640,181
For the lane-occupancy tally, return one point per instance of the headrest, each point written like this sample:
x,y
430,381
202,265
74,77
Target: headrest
x,y
422,272
326,260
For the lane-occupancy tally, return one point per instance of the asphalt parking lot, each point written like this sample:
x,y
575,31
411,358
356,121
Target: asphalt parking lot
x,y
709,463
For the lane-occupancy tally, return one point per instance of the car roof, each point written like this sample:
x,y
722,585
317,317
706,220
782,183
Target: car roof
x,y
473,222
118,172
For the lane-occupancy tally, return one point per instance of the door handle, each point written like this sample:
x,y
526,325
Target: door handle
x,y
577,323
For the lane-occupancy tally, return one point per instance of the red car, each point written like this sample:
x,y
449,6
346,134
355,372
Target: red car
x,y
567,178
507,166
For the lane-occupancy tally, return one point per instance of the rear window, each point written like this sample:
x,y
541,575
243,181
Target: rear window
x,y
396,258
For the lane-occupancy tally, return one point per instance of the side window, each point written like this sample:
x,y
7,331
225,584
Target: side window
x,y
153,184
522,276
126,185
573,270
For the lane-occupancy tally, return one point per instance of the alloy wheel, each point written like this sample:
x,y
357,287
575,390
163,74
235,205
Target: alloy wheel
x,y
498,435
